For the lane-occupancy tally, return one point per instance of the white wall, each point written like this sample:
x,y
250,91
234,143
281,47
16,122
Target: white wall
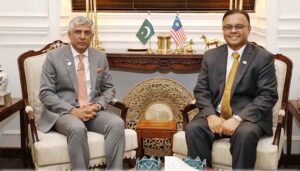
x,y
288,43
31,24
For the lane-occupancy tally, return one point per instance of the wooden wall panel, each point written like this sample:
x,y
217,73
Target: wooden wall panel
x,y
158,5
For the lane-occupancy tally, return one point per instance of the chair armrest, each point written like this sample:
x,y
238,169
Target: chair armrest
x,y
185,112
120,106
280,125
31,122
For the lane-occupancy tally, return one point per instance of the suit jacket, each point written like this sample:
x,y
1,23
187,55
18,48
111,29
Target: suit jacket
x,y
254,90
58,89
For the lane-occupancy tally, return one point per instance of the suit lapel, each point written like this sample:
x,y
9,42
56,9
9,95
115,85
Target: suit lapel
x,y
70,66
93,69
244,63
222,60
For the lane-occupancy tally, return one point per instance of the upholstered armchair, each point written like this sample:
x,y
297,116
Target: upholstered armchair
x,y
49,150
269,149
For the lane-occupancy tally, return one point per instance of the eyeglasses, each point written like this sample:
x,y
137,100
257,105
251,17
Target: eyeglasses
x,y
238,27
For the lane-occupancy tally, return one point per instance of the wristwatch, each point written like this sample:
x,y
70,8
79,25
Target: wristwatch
x,y
99,106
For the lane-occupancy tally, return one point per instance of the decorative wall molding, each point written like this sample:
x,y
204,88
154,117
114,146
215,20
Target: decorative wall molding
x,y
289,33
24,15
29,44
24,24
25,31
289,17
289,26
289,48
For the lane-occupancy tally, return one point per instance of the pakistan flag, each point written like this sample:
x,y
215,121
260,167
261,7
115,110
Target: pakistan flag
x,y
145,32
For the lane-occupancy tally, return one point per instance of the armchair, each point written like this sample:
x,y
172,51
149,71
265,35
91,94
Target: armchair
x,y
269,149
49,150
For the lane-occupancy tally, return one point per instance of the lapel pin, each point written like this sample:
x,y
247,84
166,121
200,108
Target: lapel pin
x,y
68,62
245,62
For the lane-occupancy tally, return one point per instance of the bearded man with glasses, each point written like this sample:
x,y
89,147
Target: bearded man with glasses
x,y
235,92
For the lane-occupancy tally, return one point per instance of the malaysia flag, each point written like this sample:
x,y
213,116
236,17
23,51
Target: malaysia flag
x,y
177,32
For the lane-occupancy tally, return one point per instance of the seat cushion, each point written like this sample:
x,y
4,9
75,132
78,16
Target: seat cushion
x,y
179,143
267,154
52,147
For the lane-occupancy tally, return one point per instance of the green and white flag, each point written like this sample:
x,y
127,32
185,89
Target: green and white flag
x,y
145,32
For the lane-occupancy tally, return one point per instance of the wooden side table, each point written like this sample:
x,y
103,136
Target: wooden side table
x,y
17,104
6,111
293,111
154,129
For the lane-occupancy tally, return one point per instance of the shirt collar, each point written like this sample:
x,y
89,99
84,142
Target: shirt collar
x,y
240,51
75,53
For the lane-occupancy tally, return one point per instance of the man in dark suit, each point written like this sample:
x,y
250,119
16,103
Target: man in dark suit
x,y
76,87
235,92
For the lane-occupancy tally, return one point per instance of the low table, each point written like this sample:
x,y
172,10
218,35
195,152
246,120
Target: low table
x,y
154,129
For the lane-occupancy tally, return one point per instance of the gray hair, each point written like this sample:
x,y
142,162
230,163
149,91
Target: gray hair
x,y
79,20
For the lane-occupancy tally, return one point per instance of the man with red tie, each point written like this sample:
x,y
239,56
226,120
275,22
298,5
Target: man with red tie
x,y
235,92
76,87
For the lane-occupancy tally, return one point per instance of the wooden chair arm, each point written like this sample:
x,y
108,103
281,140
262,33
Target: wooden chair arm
x,y
280,125
185,112
120,106
30,116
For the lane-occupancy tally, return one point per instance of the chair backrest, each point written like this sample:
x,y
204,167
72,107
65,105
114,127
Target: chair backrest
x,y
156,99
283,66
30,68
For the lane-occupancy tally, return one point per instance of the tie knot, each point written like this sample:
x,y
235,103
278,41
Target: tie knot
x,y
235,55
81,56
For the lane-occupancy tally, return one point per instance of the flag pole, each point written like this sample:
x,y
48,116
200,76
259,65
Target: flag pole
x,y
150,49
